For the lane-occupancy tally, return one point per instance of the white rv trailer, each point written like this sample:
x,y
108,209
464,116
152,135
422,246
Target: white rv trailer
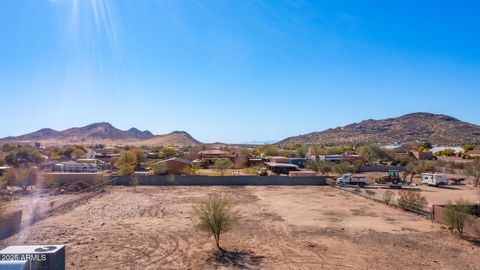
x,y
433,179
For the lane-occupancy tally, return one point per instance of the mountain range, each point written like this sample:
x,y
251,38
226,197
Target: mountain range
x,y
408,129
104,133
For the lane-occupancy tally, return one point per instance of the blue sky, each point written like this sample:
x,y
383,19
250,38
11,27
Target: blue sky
x,y
234,71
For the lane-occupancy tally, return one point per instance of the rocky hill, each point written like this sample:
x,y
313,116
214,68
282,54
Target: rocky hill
x,y
410,128
179,138
103,133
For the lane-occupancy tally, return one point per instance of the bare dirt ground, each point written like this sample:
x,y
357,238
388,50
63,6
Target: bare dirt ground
x,y
281,228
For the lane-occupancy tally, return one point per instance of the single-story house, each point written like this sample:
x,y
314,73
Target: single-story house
x,y
278,159
72,166
421,155
176,165
340,158
93,161
281,168
300,162
255,162
212,154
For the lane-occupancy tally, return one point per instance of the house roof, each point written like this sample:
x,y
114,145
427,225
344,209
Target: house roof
x,y
280,165
177,159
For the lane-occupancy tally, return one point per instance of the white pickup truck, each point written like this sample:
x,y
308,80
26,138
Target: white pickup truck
x,y
349,179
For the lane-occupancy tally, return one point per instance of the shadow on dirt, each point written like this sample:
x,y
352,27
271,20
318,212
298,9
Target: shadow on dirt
x,y
236,259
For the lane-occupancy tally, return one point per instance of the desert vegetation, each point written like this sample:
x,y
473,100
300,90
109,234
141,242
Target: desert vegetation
x,y
456,214
216,215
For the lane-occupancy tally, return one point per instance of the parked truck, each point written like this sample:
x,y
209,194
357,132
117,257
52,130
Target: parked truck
x,y
433,179
349,179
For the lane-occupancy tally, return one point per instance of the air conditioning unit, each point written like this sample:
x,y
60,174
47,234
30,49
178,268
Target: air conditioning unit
x,y
47,257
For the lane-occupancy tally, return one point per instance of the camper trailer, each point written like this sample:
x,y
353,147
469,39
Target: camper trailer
x,y
433,179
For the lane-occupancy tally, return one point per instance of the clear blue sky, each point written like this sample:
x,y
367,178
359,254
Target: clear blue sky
x,y
234,71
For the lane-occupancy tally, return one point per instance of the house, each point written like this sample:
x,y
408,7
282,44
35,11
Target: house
x,y
212,154
93,161
341,158
300,162
420,155
72,166
91,155
176,165
399,150
208,157
278,159
255,162
281,168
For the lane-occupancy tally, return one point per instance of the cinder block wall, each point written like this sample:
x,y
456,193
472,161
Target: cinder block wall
x,y
165,180
10,224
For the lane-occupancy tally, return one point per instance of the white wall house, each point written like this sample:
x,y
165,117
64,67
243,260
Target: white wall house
x,y
72,166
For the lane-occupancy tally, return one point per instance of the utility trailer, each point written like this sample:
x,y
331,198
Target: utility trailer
x,y
434,179
349,179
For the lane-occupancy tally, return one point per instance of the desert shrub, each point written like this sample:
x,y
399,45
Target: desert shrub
x,y
320,166
221,165
473,170
343,168
126,163
409,199
254,170
388,197
216,214
22,177
49,181
456,214
191,170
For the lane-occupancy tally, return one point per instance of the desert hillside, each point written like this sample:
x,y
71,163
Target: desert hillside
x,y
103,133
410,128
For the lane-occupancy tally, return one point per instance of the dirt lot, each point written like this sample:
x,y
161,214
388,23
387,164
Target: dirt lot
x,y
281,228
